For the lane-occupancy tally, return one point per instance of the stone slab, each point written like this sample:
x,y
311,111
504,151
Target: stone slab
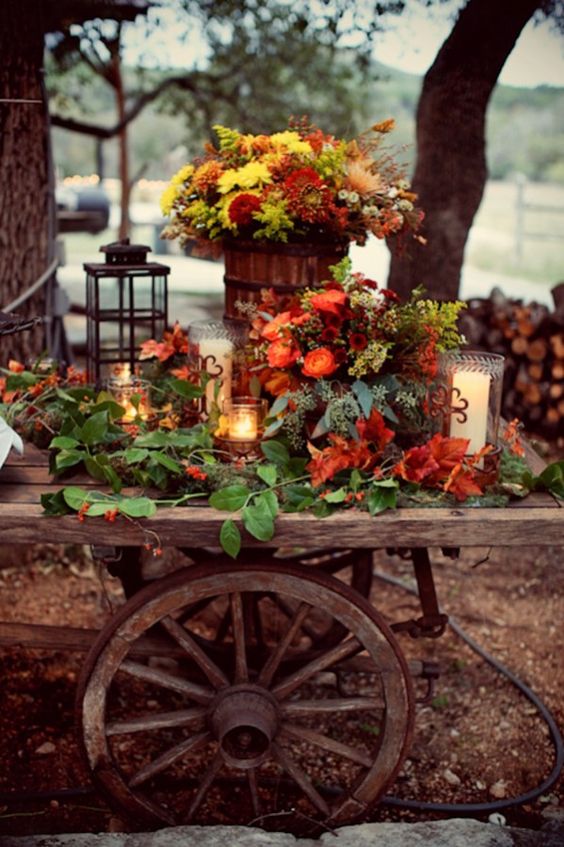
x,y
448,833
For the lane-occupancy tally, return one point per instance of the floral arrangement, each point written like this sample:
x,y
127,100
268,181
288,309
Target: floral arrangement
x,y
347,348
297,185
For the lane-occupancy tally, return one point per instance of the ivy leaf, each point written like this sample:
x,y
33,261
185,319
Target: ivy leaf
x,y
322,509
275,452
230,538
337,496
112,478
68,459
95,468
258,522
64,442
230,499
74,497
157,439
382,497
134,455
552,478
167,463
355,480
54,504
137,507
95,429
185,389
267,473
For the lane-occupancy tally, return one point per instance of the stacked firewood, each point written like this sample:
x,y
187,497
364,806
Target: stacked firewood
x,y
531,337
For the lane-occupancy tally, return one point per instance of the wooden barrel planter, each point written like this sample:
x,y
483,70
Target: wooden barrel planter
x,y
252,265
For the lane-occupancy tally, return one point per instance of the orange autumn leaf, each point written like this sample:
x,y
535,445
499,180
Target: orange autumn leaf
x,y
461,483
339,456
447,452
375,430
417,464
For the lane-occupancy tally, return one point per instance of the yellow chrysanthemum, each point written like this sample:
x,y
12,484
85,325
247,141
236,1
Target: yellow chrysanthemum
x,y
182,175
292,142
167,199
250,175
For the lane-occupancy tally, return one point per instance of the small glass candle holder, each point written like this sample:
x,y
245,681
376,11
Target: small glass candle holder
x,y
242,426
468,399
131,392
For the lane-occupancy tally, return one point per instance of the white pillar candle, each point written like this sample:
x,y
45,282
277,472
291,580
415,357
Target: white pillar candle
x,y
216,355
475,389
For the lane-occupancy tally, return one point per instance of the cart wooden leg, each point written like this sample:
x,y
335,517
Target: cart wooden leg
x,y
256,722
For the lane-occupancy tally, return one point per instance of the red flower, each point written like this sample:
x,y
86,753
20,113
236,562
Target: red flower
x,y
308,197
329,334
282,353
319,362
358,341
241,209
329,301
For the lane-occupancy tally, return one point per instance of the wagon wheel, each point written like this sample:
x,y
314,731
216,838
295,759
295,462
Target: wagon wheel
x,y
267,733
352,566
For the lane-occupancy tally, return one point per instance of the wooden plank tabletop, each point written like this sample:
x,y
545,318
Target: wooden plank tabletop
x,y
537,520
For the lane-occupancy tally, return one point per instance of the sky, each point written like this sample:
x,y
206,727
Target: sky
x,y
409,43
412,41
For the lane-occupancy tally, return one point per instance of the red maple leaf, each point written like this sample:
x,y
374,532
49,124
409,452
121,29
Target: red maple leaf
x,y
340,455
461,483
375,430
417,464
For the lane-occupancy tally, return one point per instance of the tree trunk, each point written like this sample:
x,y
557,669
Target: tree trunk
x,y
25,221
450,173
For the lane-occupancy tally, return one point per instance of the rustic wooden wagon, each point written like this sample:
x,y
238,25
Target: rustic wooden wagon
x,y
268,684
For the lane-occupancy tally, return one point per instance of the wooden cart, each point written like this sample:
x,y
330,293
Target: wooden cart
x,y
267,681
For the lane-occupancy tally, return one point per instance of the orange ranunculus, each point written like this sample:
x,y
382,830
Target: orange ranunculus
x,y
320,362
283,352
329,301
273,329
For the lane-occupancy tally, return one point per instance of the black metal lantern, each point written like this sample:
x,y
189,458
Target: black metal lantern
x,y
126,303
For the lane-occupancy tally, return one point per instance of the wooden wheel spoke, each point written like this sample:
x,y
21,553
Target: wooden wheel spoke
x,y
330,657
163,720
237,618
289,611
167,680
301,778
253,788
207,779
223,626
273,662
215,675
168,758
337,704
327,743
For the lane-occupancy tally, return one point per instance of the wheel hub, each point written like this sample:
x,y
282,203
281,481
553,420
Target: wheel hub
x,y
244,720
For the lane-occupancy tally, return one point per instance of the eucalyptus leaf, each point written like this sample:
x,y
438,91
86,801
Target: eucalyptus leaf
x,y
279,405
364,397
273,427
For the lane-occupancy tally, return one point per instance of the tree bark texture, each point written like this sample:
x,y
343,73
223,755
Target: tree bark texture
x,y
451,172
24,169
